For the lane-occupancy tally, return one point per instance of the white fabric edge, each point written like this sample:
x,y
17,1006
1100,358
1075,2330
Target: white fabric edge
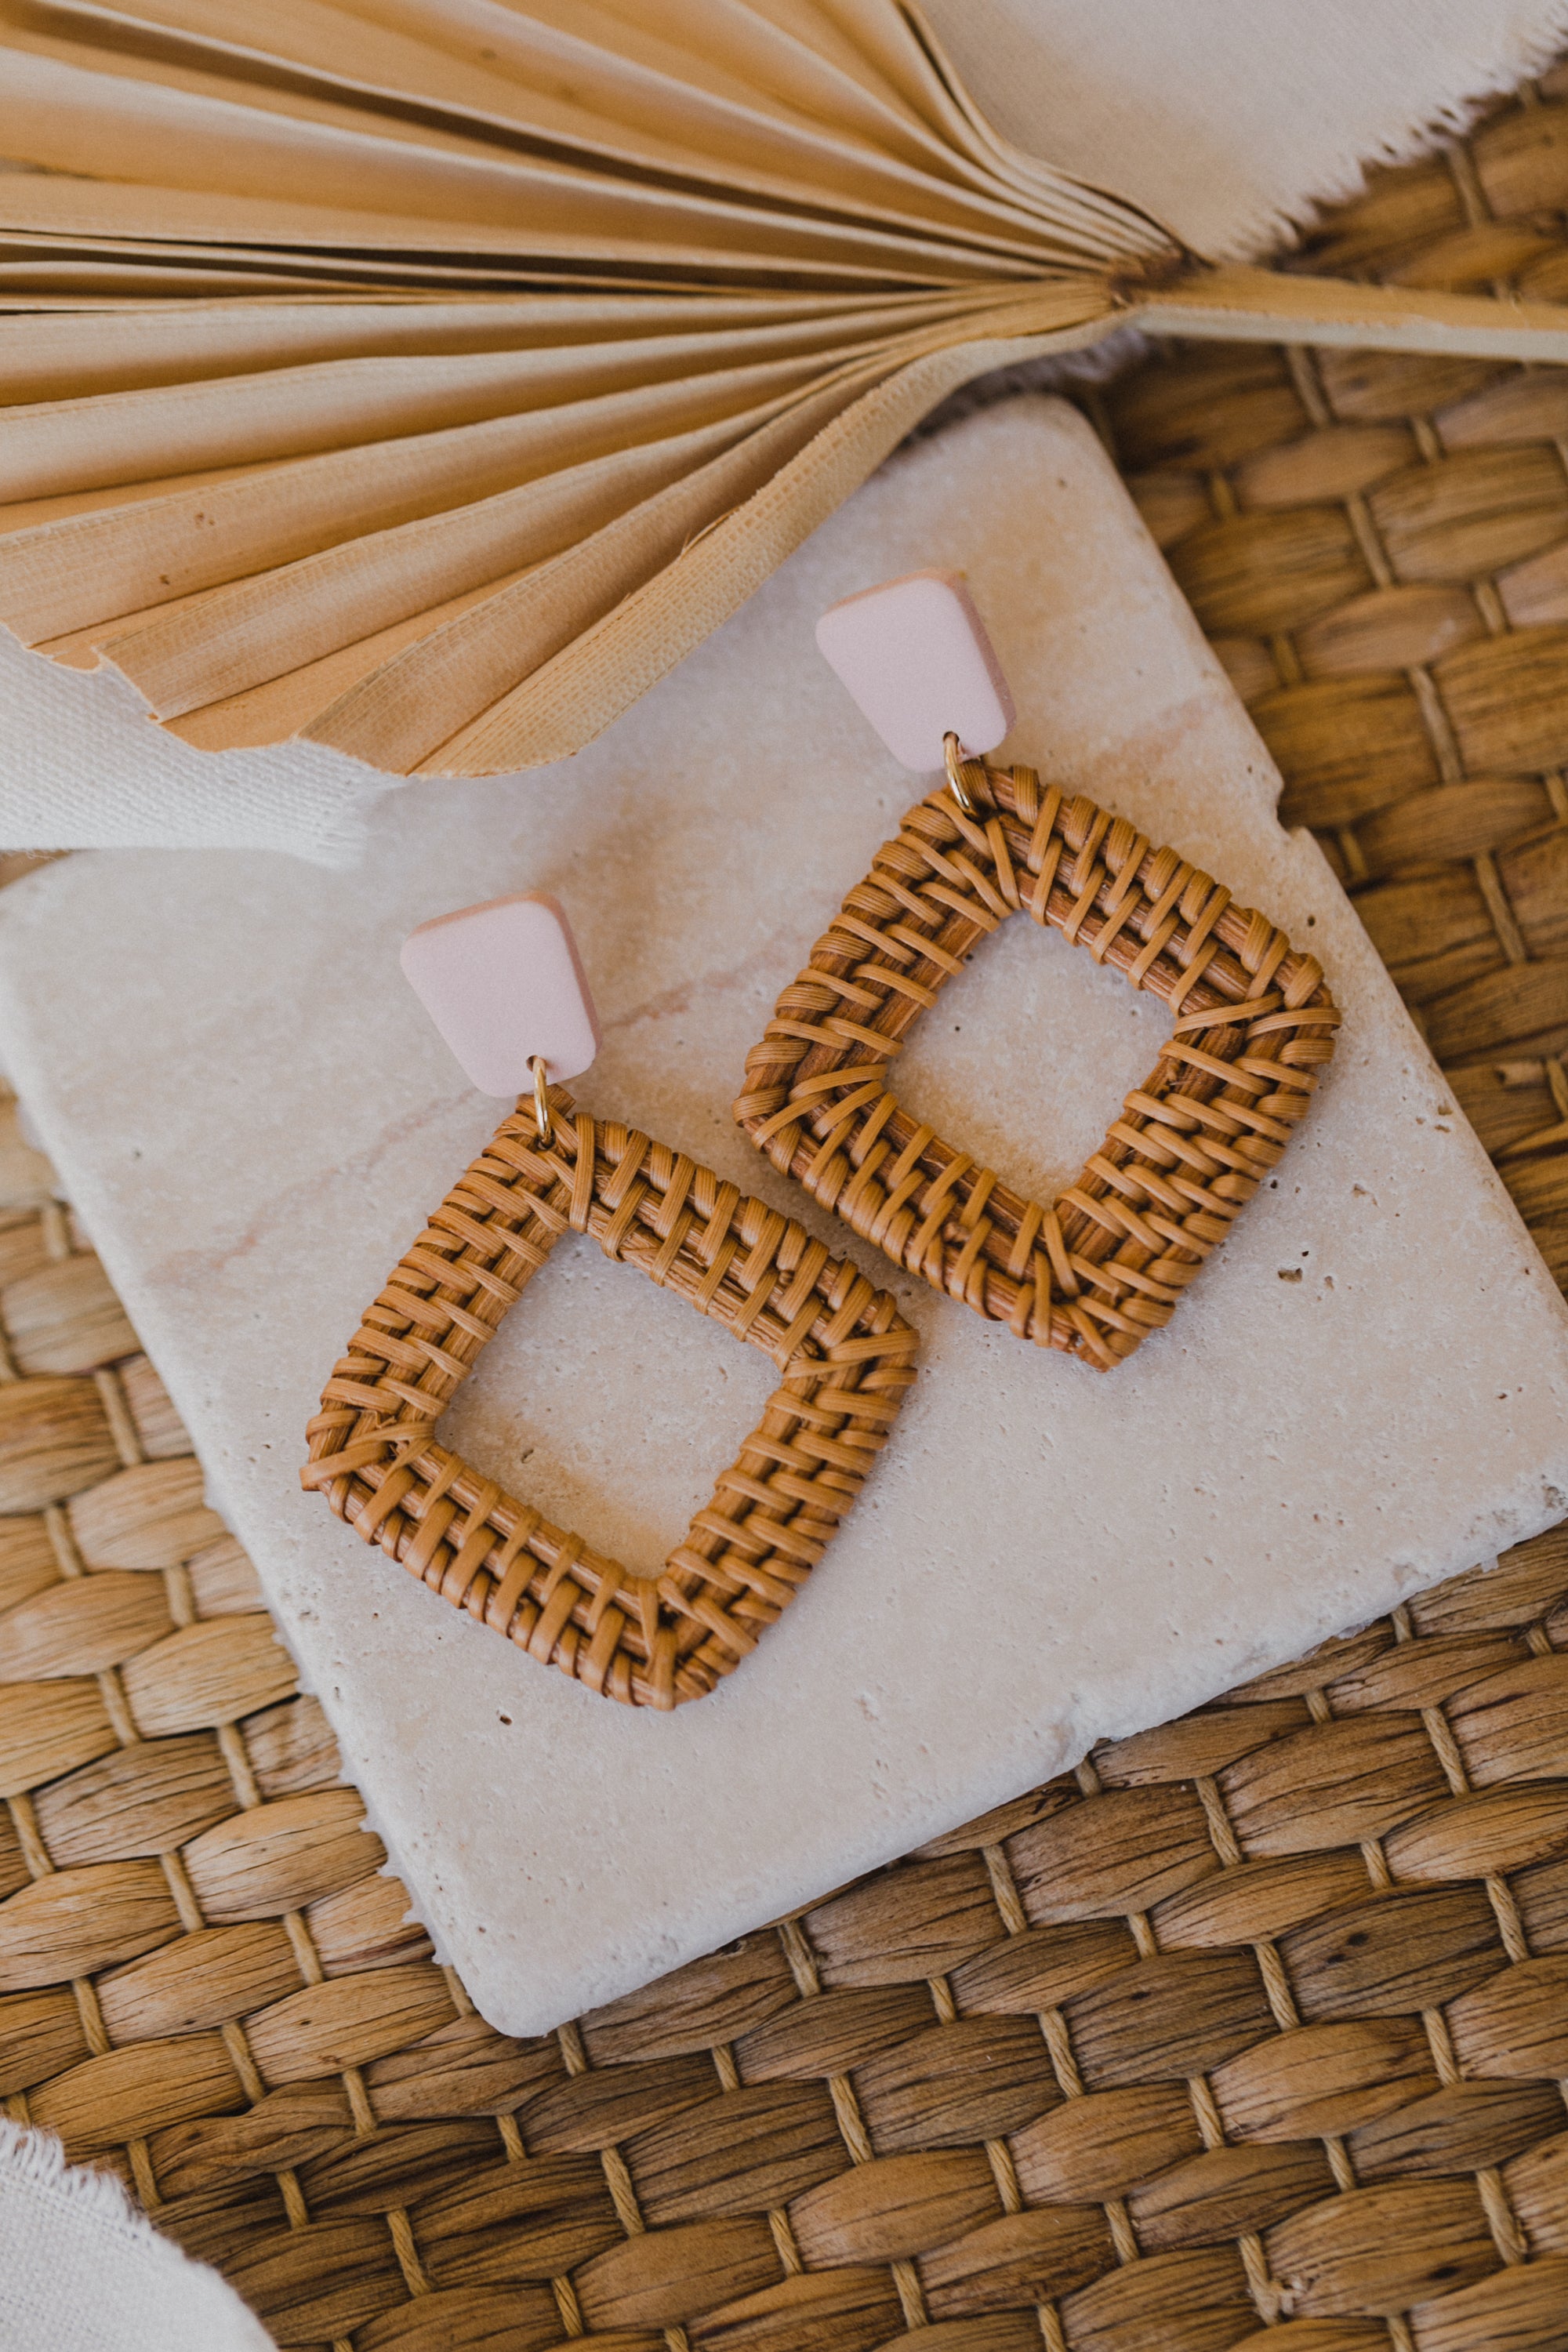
x,y
81,2270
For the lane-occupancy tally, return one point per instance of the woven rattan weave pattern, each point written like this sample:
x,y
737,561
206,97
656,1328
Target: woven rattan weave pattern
x,y
204,1985
844,1355
1259,2016
1106,1262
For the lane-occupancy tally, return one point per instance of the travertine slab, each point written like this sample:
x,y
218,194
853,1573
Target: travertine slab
x,y
1364,1391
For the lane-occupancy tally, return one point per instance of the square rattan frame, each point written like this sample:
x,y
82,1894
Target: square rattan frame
x,y
1106,1262
843,1352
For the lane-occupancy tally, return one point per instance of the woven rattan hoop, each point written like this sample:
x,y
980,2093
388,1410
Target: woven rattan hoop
x,y
843,1352
1106,1262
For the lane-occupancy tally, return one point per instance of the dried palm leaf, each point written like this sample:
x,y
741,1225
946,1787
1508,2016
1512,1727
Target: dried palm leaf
x,y
425,377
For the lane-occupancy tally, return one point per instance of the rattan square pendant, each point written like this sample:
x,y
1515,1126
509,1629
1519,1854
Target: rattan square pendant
x,y
1106,1262
844,1358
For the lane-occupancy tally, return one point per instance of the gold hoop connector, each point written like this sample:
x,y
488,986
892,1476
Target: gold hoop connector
x,y
541,1118
954,755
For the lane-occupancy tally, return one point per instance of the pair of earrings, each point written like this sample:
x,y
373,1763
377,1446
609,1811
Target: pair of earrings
x,y
1092,1273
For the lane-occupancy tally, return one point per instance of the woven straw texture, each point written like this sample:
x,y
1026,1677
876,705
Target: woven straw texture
x,y
844,1352
1257,2022
1106,1262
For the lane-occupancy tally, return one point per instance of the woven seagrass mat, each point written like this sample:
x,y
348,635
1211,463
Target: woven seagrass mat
x,y
1259,2020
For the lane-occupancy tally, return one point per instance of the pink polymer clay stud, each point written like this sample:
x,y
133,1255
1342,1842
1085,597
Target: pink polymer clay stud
x,y
916,658
504,985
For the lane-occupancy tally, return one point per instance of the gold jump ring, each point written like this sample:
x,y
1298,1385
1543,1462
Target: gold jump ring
x,y
955,783
541,1118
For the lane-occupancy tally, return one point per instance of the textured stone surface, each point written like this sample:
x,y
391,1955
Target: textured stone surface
x,y
1364,1391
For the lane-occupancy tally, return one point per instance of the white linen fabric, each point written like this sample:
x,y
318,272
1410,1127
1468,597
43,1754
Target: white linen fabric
x,y
80,2271
1228,119
1231,121
82,766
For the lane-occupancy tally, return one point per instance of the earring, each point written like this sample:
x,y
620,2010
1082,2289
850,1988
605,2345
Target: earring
x,y
1106,1262
504,986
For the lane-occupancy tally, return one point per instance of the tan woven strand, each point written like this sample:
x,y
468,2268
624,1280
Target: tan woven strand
x,y
1255,1027
843,1353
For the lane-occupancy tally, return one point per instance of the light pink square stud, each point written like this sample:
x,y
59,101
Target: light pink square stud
x,y
502,982
915,657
